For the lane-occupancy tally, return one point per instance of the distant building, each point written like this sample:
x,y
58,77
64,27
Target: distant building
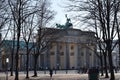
x,y
7,50
73,49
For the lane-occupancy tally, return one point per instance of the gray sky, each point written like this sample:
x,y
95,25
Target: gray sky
x,y
60,16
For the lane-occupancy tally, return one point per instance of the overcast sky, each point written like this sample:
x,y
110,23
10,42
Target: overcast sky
x,y
60,16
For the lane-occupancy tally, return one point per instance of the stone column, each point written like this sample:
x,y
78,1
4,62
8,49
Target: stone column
x,y
96,61
39,61
67,56
21,62
78,58
42,60
87,57
58,56
47,58
30,65
24,61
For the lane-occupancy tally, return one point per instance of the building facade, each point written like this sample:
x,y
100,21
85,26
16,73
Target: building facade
x,y
72,49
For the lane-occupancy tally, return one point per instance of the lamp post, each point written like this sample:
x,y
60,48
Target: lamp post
x,y
7,61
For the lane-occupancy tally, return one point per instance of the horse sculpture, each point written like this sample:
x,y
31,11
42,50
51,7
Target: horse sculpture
x,y
67,25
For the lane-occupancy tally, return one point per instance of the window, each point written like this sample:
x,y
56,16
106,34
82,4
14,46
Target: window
x,y
52,53
82,54
62,53
60,46
72,53
72,47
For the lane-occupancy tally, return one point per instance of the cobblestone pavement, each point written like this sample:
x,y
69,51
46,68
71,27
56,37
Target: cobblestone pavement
x,y
55,77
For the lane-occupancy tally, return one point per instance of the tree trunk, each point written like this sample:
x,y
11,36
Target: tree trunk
x,y
16,69
27,64
18,46
105,68
101,61
35,65
12,56
111,65
11,69
17,53
109,44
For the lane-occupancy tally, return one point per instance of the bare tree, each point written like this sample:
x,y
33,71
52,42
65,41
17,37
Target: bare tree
x,y
4,19
118,28
103,57
44,17
20,11
105,12
16,12
3,13
103,51
27,33
13,32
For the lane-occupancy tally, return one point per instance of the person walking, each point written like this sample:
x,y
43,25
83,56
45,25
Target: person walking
x,y
51,73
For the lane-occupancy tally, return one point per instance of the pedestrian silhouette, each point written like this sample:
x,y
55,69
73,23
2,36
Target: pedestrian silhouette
x,y
51,73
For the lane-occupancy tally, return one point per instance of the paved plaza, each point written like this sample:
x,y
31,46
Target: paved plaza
x,y
57,76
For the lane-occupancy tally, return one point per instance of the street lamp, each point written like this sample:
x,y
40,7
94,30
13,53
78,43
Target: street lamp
x,y
7,61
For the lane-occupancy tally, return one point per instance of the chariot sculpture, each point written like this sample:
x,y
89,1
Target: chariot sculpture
x,y
67,25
